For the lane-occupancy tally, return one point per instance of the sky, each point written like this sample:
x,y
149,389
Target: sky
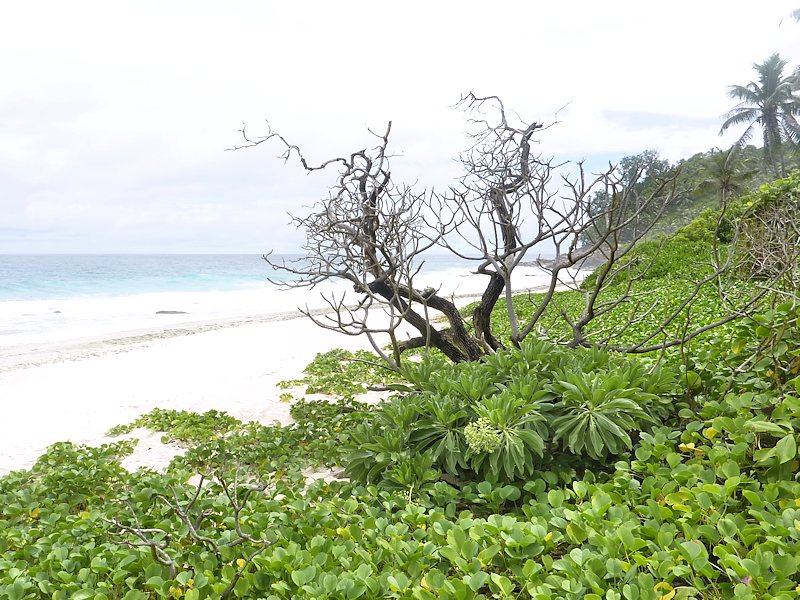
x,y
116,117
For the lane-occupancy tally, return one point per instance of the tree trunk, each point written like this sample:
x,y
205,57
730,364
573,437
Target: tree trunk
x,y
458,346
481,316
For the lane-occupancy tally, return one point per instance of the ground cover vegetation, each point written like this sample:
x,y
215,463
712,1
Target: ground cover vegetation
x,y
696,495
539,472
548,465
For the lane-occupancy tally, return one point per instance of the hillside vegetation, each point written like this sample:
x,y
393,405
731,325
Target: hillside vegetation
x,y
699,180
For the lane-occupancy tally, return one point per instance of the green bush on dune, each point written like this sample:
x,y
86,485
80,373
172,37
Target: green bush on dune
x,y
514,412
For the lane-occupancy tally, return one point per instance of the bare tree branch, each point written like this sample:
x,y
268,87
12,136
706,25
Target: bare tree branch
x,y
510,203
159,541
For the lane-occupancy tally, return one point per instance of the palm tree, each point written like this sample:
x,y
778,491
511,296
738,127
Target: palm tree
x,y
773,104
726,173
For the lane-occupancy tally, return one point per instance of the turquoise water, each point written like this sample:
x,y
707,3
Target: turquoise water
x,y
40,277
43,277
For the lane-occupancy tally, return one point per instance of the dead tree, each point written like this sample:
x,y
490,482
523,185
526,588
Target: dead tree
x,y
512,208
770,243
373,233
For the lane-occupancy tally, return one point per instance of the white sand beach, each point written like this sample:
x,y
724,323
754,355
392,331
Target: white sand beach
x,y
72,381
76,392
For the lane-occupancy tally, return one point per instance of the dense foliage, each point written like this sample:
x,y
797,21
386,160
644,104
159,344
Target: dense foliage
x,y
705,181
507,416
343,373
704,505
539,472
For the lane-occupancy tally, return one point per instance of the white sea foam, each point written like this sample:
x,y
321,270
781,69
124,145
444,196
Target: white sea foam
x,y
52,320
33,324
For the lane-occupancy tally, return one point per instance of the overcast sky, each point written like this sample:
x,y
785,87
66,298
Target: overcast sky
x,y
115,116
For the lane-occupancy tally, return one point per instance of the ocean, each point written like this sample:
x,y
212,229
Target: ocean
x,y
64,276
41,277
47,299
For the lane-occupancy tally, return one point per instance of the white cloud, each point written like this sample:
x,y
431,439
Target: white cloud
x,y
114,116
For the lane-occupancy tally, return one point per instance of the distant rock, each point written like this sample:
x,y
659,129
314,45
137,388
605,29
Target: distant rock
x,y
171,312
590,262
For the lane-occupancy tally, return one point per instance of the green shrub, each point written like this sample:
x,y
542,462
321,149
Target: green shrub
x,y
343,373
182,426
509,415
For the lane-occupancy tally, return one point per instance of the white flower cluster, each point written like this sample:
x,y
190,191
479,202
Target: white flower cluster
x,y
482,437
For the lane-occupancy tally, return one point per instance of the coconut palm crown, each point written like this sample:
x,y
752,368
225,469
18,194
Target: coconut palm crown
x,y
772,103
727,173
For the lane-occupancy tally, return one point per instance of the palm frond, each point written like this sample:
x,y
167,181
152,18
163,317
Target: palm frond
x,y
772,103
745,137
791,128
747,115
749,94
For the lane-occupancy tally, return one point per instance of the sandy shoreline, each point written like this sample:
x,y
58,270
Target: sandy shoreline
x,y
22,356
75,390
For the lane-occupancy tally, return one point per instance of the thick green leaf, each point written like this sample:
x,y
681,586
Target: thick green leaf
x,y
304,576
786,448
